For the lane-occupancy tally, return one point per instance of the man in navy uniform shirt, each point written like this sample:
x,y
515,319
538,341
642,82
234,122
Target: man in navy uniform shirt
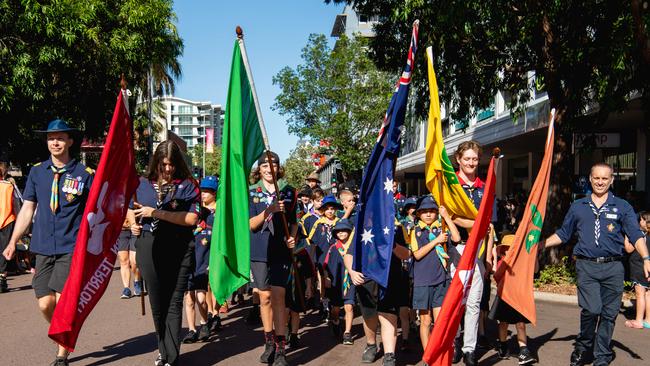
x,y
59,187
602,221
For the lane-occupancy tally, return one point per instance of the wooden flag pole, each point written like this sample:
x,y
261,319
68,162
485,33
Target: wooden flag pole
x,y
135,194
269,158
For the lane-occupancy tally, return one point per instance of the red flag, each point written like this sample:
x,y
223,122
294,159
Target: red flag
x,y
515,272
96,248
440,348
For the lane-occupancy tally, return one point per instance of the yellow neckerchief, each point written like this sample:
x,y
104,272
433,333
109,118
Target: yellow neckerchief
x,y
302,223
321,220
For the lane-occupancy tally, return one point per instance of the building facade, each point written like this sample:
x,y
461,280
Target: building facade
x,y
188,119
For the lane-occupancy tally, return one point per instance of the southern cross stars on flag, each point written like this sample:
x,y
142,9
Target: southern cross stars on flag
x,y
376,220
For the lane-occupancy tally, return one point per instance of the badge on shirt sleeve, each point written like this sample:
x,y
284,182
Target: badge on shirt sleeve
x,y
610,227
204,241
256,199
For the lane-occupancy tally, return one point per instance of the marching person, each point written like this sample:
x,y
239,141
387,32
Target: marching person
x,y
601,222
9,207
270,252
126,256
312,181
60,187
468,156
167,210
641,284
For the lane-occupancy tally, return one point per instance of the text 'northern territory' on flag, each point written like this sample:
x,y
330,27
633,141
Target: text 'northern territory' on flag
x,y
375,226
96,247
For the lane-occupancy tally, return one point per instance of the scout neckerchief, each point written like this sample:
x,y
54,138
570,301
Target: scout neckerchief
x,y
54,197
260,192
161,192
440,250
597,212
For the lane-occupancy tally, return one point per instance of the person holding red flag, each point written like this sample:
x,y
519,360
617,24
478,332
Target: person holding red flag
x,y
63,183
168,208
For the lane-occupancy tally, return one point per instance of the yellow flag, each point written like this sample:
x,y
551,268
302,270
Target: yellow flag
x,y
453,196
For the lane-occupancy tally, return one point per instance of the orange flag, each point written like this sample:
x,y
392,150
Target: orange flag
x,y
514,274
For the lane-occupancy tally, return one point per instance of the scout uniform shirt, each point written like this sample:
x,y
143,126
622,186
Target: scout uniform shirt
x,y
334,263
202,238
475,193
427,271
60,205
267,243
601,231
322,238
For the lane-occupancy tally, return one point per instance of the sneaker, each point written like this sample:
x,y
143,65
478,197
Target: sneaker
x,y
159,361
60,361
280,358
525,358
578,358
269,352
191,337
126,293
470,359
3,284
369,353
347,339
458,351
502,349
215,325
389,359
204,333
138,289
294,341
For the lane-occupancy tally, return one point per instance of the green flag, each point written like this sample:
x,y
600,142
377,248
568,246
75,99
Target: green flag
x,y
242,145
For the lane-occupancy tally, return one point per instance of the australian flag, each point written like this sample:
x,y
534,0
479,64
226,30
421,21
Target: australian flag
x,y
375,226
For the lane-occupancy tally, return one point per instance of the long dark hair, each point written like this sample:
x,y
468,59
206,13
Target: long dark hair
x,y
170,150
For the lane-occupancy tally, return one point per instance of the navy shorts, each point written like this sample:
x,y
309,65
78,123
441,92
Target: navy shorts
x,y
198,282
429,297
260,275
126,241
51,273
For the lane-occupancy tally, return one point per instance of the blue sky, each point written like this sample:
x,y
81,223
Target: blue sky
x,y
275,33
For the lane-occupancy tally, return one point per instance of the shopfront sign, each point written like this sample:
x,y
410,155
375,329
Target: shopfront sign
x,y
597,140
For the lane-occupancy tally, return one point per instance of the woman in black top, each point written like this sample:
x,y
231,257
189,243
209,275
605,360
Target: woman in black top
x,y
166,208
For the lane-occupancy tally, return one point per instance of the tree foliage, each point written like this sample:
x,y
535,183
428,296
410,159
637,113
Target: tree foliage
x,y
338,95
212,160
64,59
299,164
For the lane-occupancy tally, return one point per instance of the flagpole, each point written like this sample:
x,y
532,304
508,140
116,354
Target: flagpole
x,y
135,194
269,157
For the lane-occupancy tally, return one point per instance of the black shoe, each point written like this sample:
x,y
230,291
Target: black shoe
x,y
369,353
159,361
525,358
470,359
458,351
280,358
253,317
293,341
60,361
3,285
336,329
502,349
389,359
204,333
191,337
347,339
269,352
215,325
483,343
578,358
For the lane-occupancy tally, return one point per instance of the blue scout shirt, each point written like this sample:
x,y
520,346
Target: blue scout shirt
x,y
54,234
615,219
183,195
267,243
427,271
202,238
321,237
475,194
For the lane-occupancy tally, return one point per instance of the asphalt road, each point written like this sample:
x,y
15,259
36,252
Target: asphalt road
x,y
116,334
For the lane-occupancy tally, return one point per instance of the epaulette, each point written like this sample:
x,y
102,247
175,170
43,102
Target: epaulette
x,y
37,164
90,171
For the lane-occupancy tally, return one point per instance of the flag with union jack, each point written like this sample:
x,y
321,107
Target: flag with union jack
x,y
375,226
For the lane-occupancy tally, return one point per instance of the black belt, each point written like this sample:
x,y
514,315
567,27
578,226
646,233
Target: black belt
x,y
601,259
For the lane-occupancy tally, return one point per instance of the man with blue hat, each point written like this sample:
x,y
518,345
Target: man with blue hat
x,y
59,187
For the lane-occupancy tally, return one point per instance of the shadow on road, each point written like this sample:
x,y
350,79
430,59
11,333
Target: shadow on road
x,y
118,351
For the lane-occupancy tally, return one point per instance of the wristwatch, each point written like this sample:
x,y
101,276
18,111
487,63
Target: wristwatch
x,y
646,258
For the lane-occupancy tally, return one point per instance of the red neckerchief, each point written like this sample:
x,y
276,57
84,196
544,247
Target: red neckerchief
x,y
478,183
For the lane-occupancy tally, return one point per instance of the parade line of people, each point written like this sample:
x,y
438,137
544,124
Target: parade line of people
x,y
165,240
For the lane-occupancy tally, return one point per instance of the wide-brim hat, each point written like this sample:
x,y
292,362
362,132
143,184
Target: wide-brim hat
x,y
330,200
426,203
411,201
209,182
314,177
343,225
58,125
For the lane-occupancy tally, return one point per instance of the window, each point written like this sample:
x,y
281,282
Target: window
x,y
184,131
363,18
185,109
185,120
485,113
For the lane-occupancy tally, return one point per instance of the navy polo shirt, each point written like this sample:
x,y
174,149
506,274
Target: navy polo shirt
x,y
616,220
267,243
427,271
54,234
475,193
202,239
184,196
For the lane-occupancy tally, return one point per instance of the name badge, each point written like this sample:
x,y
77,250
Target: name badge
x,y
611,216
